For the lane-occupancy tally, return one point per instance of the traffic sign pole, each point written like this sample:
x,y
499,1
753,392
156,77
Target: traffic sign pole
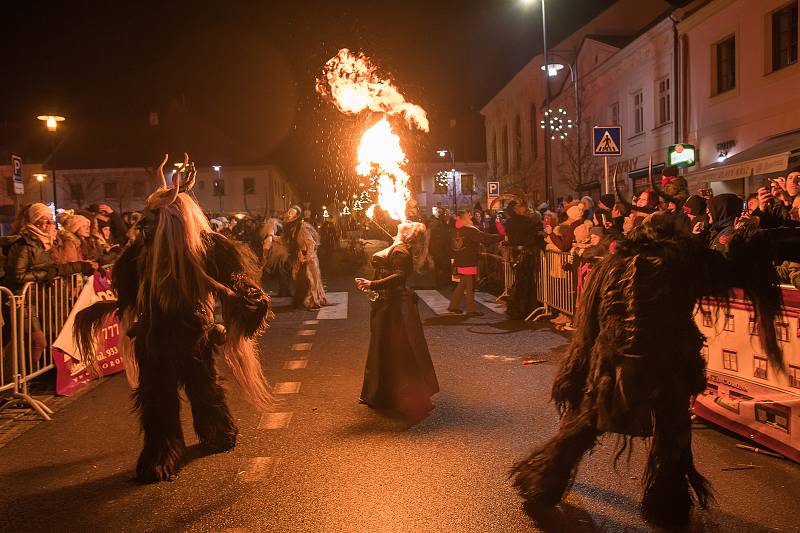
x,y
605,168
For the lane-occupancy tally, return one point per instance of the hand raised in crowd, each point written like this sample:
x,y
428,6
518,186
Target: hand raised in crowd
x,y
698,228
104,208
548,229
764,198
363,284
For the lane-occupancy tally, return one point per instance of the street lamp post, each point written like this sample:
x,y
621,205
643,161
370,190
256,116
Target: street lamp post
x,y
547,178
51,122
40,178
220,187
551,70
443,153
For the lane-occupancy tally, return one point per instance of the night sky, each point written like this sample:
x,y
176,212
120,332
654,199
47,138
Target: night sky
x,y
233,82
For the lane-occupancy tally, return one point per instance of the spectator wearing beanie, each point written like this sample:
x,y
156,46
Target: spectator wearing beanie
x,y
73,240
696,208
674,185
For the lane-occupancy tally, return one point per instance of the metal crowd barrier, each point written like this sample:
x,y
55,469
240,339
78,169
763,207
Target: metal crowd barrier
x,y
557,287
36,317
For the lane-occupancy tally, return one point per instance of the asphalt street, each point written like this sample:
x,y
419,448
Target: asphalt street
x,y
322,462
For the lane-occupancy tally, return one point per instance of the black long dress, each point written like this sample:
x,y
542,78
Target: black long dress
x,y
399,374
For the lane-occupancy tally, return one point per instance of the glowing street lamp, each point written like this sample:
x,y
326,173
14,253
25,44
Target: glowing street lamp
x,y
552,69
40,178
51,121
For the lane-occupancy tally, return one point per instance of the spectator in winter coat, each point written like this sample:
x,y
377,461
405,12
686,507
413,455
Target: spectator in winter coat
x,y
723,210
564,235
439,246
520,227
466,243
30,259
117,230
696,208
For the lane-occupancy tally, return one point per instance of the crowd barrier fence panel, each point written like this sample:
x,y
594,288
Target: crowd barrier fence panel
x,y
41,310
557,288
9,362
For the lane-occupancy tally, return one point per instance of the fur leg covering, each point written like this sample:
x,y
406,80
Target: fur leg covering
x,y
544,477
670,468
87,327
158,405
213,422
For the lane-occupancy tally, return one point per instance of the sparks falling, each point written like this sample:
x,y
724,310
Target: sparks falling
x,y
353,83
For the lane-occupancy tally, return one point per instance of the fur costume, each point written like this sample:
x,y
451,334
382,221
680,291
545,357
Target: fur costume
x,y
167,282
634,363
302,241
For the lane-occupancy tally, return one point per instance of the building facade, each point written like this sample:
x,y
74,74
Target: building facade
x,y
741,106
515,141
432,184
255,190
625,82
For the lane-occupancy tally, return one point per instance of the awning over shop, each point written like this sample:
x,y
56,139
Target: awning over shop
x,y
643,172
766,157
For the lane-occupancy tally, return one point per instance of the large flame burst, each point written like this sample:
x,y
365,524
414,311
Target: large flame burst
x,y
354,85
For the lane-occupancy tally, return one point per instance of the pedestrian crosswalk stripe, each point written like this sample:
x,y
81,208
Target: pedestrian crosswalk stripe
x,y
300,346
275,420
435,301
287,387
259,469
439,304
306,332
295,364
336,308
487,300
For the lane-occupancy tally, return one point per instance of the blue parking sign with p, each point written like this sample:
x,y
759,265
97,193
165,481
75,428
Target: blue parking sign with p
x,y
493,188
607,140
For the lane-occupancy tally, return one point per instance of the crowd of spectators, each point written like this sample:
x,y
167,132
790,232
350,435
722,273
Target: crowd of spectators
x,y
587,230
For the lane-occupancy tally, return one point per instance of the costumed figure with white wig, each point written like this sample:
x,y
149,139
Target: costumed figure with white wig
x,y
399,375
302,241
168,282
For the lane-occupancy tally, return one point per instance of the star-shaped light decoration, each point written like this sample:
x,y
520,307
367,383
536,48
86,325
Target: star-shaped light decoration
x,y
557,123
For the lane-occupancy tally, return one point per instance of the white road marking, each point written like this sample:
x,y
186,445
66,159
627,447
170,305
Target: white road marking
x,y
306,332
300,346
435,301
260,469
275,420
487,300
336,308
310,322
287,387
295,364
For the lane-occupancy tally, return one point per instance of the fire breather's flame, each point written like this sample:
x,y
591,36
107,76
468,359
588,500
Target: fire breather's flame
x,y
353,83
379,152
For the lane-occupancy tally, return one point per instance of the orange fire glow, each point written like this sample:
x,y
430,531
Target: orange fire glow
x,y
353,83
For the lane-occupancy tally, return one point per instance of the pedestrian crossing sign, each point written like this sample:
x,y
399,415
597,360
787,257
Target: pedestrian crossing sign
x,y
607,140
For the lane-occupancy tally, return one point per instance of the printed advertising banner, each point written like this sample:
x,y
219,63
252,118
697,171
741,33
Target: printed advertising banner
x,y
71,373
